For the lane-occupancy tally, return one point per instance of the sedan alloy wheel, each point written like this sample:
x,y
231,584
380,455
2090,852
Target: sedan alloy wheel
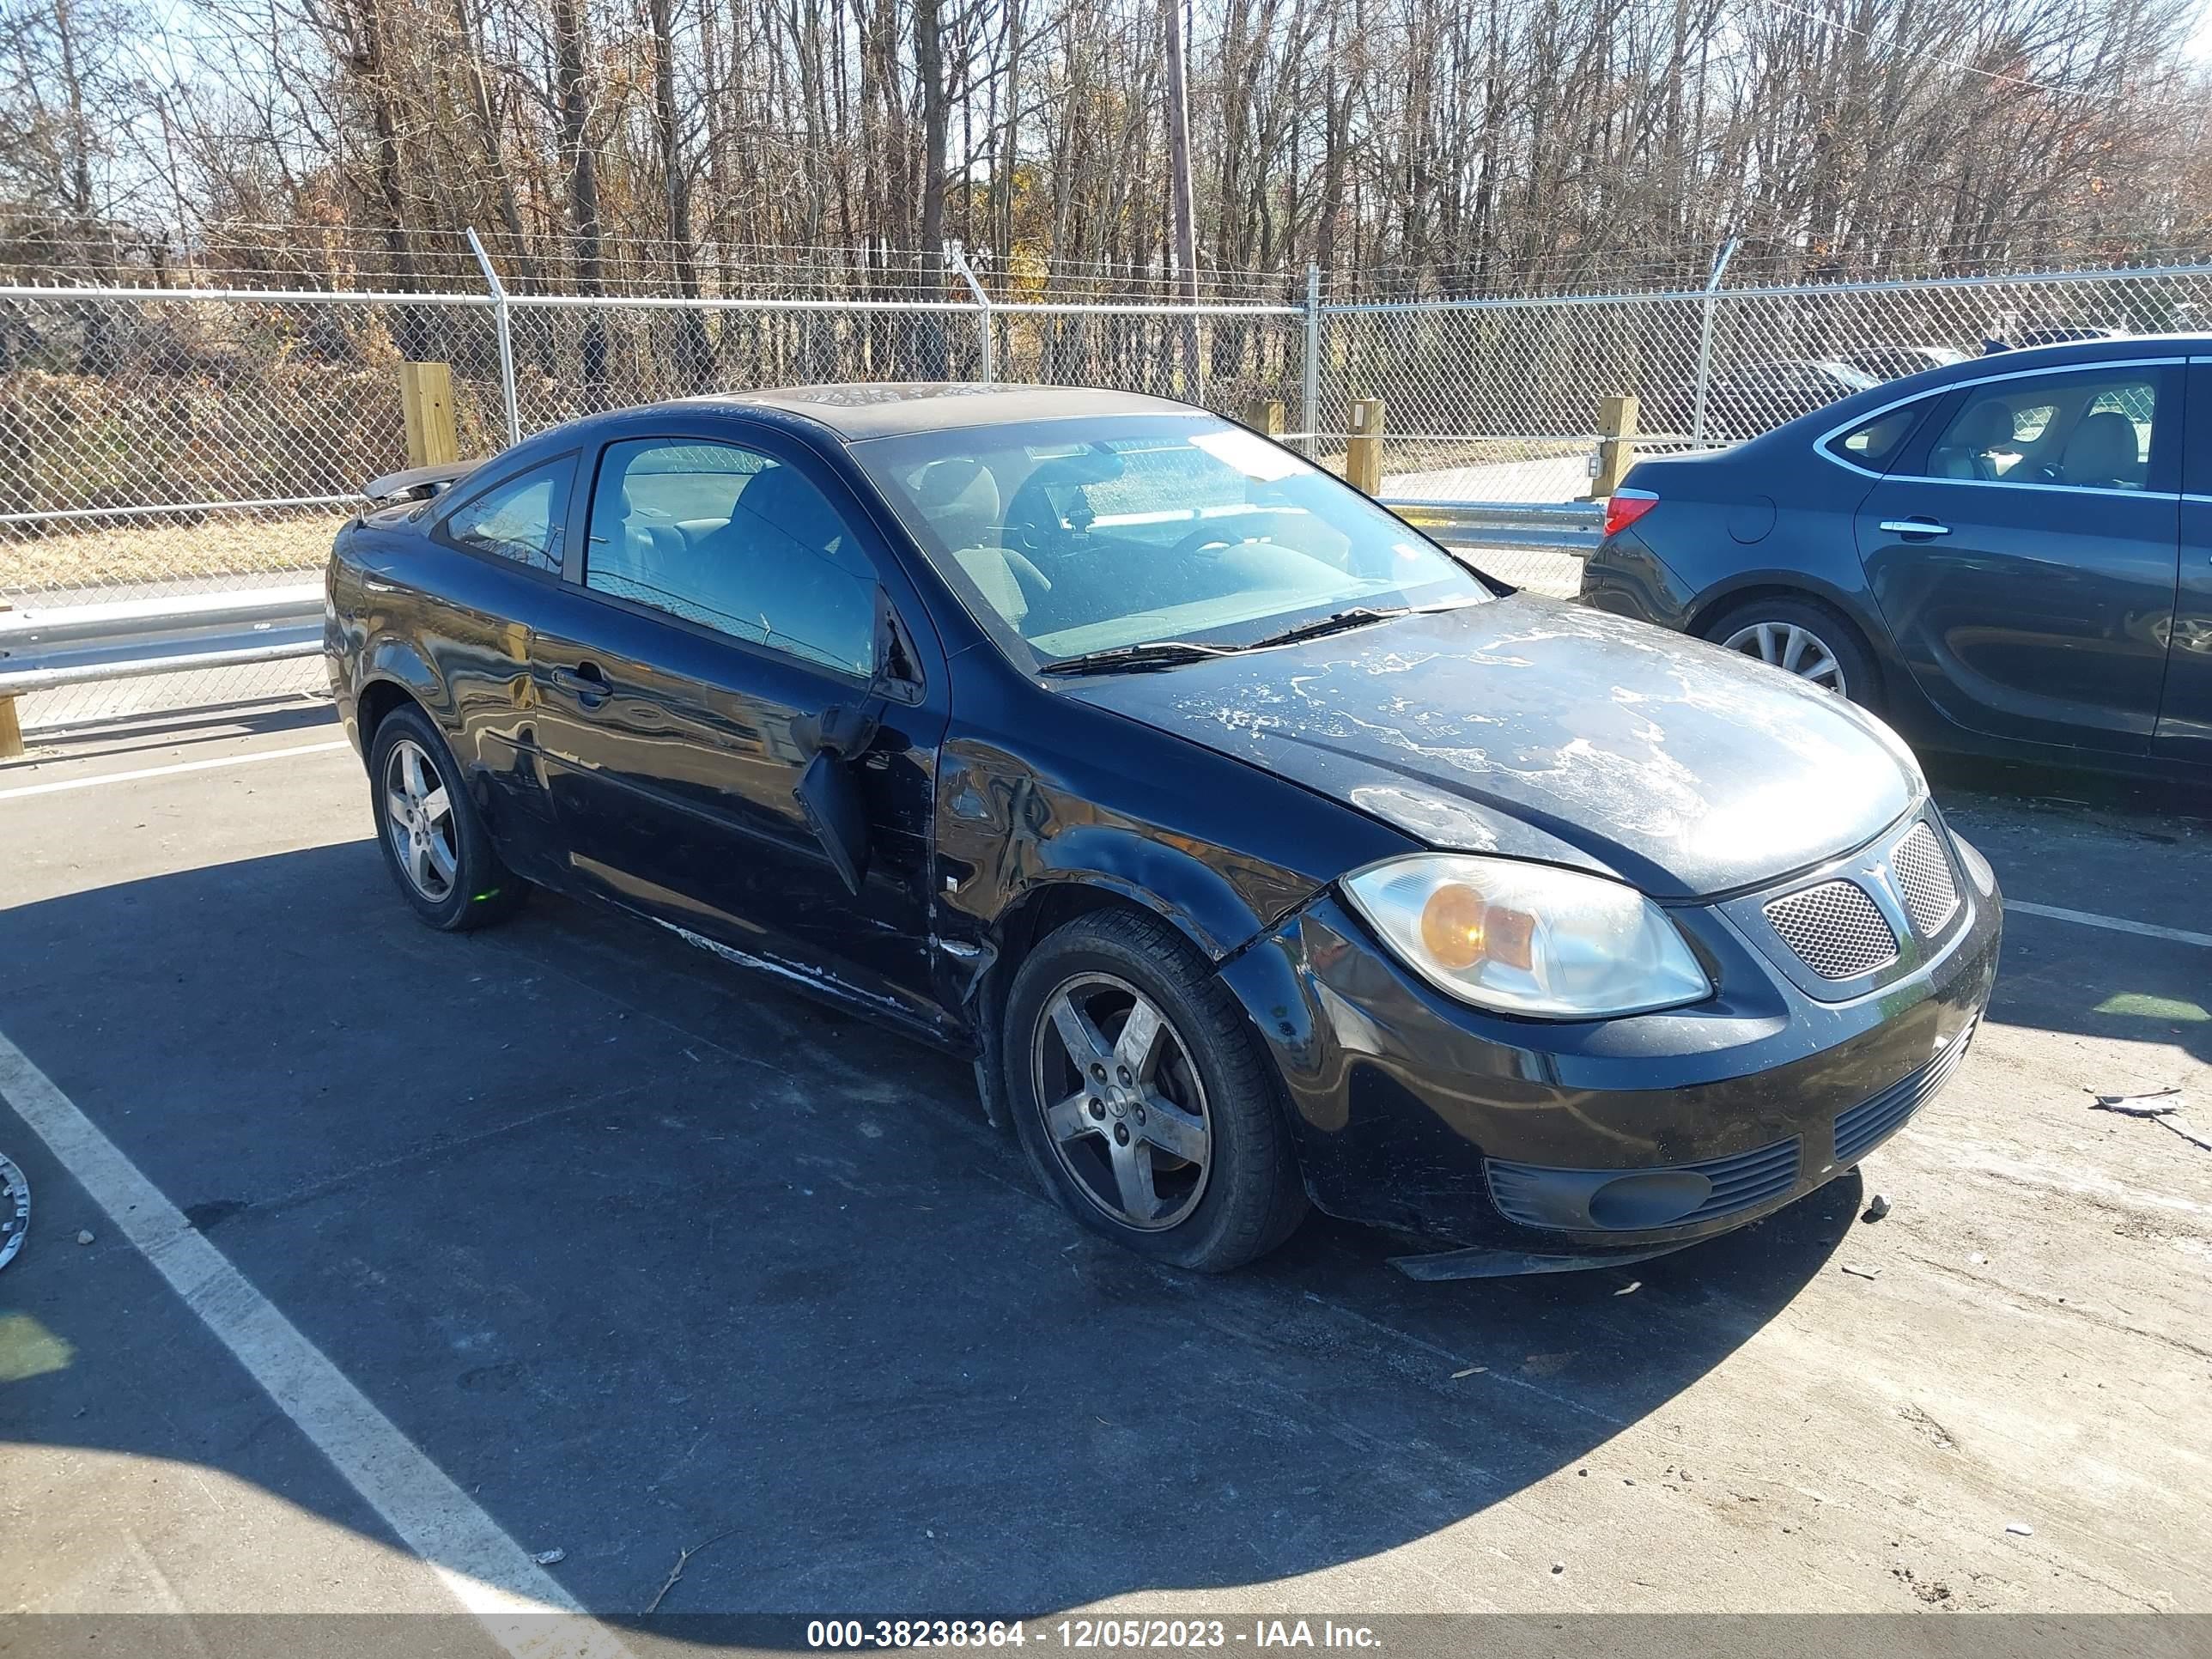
x,y
1793,648
418,817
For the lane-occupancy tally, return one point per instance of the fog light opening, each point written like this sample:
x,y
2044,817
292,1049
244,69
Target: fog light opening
x,y
1655,1199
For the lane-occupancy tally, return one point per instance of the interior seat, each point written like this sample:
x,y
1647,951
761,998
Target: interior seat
x,y
2104,452
785,570
1968,448
960,497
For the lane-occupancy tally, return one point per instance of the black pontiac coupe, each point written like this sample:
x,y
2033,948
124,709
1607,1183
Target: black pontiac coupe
x,y
1258,851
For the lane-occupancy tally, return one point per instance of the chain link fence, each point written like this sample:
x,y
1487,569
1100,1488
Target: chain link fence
x,y
157,443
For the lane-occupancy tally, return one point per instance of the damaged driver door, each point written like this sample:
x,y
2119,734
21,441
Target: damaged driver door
x,y
740,738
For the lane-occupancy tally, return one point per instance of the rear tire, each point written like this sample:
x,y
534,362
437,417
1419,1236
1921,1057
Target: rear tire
x,y
1168,1136
435,846
1801,636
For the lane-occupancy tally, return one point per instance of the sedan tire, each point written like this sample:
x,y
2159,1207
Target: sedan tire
x,y
433,839
1802,637
1144,1100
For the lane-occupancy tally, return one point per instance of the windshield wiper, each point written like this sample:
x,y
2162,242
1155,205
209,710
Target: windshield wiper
x,y
1153,653
1336,622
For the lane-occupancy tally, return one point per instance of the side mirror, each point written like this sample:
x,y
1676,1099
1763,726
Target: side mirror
x,y
830,791
830,795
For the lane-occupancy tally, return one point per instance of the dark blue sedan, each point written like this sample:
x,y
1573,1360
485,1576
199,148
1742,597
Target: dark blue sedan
x,y
2009,556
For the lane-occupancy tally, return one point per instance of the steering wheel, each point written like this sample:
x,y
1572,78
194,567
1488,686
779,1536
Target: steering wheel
x,y
1205,538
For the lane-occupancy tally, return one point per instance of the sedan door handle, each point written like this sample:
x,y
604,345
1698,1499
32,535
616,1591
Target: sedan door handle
x,y
587,682
1914,527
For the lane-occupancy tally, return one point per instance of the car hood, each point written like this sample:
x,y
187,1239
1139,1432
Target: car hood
x,y
1538,730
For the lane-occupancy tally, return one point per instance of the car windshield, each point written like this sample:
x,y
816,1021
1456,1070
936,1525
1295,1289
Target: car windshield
x,y
1857,379
1066,538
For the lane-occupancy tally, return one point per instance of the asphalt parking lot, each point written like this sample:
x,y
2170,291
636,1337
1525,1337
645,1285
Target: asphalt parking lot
x,y
738,1305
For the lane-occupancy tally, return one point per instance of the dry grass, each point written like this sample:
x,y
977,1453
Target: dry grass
x,y
130,557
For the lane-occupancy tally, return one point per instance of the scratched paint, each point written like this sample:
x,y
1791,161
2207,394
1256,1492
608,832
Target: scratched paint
x,y
1546,730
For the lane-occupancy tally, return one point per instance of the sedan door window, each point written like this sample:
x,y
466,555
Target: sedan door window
x,y
2077,431
731,539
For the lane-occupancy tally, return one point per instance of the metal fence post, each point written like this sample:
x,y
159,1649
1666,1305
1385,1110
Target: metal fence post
x,y
958,255
500,322
1310,417
1705,335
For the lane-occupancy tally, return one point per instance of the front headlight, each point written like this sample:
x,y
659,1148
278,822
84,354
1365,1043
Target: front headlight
x,y
1527,938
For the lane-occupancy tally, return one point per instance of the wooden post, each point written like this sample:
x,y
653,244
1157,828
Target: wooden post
x,y
1362,458
1265,415
1616,444
11,726
426,400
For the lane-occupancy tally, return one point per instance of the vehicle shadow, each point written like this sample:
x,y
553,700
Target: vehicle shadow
x,y
2113,847
648,1255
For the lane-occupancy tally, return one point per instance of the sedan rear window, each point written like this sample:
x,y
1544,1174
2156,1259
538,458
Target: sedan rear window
x,y
1070,537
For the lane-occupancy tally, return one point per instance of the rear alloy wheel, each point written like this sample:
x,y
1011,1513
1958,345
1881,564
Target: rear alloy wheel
x,y
418,821
433,839
1146,1103
1800,638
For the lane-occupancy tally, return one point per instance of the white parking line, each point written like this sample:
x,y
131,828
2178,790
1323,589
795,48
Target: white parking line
x,y
518,1604
2110,924
60,784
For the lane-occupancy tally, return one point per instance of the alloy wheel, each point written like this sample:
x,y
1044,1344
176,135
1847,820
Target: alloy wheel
x,y
418,820
1123,1106
1792,648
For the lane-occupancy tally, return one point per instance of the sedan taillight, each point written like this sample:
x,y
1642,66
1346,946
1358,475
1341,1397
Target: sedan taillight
x,y
1624,507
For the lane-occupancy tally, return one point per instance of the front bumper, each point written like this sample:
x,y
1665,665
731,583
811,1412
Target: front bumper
x,y
1414,1111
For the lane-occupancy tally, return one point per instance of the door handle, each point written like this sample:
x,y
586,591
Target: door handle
x,y
1914,527
587,682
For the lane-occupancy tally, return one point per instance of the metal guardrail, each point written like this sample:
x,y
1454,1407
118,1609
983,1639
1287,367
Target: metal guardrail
x,y
1565,526
47,647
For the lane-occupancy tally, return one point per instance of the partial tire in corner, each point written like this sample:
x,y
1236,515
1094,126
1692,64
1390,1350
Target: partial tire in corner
x,y
1146,1105
433,839
1801,636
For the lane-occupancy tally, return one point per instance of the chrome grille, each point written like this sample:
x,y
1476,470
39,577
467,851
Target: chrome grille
x,y
1924,877
1834,929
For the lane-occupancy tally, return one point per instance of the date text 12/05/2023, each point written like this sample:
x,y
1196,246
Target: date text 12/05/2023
x,y
1086,1634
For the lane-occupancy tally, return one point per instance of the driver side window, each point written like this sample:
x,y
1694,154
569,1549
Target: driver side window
x,y
734,540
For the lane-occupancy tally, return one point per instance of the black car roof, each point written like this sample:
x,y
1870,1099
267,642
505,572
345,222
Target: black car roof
x,y
884,409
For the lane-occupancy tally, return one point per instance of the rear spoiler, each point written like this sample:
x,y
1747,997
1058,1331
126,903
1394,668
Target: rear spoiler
x,y
418,482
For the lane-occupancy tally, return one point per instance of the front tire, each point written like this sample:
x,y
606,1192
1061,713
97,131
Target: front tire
x,y
435,846
1145,1102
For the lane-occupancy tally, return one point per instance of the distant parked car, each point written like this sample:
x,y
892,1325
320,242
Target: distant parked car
x,y
2044,337
1740,402
2010,556
1894,362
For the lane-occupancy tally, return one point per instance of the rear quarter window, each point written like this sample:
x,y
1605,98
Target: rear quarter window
x,y
1878,441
